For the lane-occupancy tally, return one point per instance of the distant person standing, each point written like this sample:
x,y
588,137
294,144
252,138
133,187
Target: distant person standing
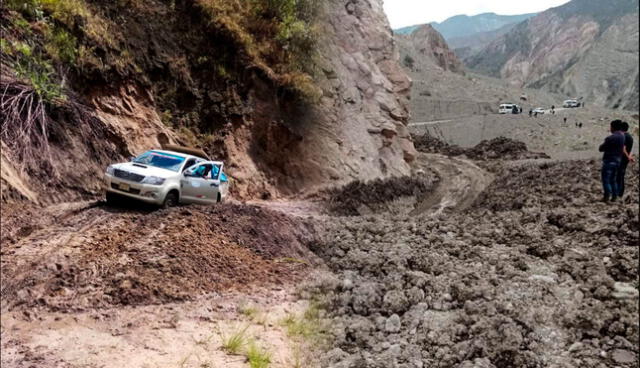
x,y
613,150
626,157
530,112
564,120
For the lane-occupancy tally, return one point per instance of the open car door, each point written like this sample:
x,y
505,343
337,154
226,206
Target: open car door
x,y
201,183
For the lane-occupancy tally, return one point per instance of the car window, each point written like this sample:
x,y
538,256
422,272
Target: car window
x,y
215,173
201,171
160,159
190,162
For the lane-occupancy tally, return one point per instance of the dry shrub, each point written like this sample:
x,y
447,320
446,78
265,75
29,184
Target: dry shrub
x,y
27,125
25,122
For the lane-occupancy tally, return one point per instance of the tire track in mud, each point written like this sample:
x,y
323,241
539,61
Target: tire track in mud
x,y
461,181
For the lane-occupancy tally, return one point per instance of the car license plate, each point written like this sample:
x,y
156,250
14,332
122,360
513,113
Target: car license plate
x,y
124,187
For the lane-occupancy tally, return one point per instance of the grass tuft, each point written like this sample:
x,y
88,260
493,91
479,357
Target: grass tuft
x,y
249,311
307,326
257,356
234,343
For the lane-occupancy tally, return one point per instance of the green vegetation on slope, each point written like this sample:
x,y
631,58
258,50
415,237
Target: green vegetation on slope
x,y
278,36
200,61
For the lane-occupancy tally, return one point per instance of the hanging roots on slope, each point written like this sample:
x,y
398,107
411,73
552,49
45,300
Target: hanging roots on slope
x,y
26,125
25,122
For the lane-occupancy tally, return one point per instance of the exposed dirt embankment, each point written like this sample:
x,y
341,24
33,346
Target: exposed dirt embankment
x,y
91,257
288,107
536,273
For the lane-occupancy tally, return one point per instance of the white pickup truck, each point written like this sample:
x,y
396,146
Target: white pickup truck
x,y
167,177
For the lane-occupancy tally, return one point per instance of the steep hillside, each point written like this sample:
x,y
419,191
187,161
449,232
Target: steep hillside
x,y
425,47
277,89
467,46
564,50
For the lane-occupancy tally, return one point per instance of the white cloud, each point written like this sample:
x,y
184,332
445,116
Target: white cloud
x,y
409,12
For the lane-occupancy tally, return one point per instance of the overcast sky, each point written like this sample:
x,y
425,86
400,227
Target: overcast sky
x,y
403,13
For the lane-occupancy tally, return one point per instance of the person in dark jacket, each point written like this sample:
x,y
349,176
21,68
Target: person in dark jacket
x,y
613,150
626,158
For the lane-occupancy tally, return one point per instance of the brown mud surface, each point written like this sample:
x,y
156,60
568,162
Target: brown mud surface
x,y
535,273
83,256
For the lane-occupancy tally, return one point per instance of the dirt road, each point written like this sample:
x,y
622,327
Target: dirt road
x,y
547,133
461,182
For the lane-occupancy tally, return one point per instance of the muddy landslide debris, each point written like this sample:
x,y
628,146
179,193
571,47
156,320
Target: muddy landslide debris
x,y
377,196
537,273
500,148
124,257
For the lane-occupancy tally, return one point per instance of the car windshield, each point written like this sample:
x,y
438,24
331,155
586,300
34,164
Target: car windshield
x,y
161,160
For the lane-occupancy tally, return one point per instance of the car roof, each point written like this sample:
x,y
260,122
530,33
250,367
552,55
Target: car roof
x,y
179,154
188,156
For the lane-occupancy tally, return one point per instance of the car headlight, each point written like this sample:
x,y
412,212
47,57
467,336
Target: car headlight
x,y
110,170
153,180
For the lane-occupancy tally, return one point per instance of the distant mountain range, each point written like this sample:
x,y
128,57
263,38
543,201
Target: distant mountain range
x,y
586,48
464,25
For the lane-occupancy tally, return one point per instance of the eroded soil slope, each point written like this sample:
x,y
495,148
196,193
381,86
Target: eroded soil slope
x,y
536,273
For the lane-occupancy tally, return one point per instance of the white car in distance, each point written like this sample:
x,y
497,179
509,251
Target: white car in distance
x,y
571,104
539,110
168,177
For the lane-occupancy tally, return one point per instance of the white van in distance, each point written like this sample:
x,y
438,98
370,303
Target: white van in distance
x,y
508,108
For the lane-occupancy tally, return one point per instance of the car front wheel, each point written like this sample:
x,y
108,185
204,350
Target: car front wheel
x,y
171,200
112,198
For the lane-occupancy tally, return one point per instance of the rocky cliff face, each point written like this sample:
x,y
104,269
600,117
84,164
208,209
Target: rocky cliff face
x,y
426,45
223,83
359,128
564,50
